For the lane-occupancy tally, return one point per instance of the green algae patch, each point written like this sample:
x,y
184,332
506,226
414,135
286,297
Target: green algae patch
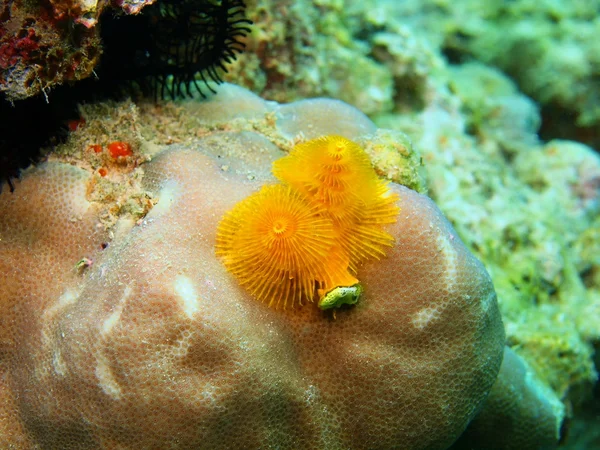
x,y
396,159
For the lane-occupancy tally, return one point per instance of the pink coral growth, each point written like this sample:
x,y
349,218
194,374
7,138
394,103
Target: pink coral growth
x,y
16,48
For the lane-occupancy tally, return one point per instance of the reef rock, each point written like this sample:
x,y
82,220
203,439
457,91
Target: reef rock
x,y
136,336
520,413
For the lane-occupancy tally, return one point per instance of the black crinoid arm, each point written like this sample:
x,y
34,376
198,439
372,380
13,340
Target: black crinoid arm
x,y
169,49
172,47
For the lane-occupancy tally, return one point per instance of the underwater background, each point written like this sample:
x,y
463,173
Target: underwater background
x,y
490,108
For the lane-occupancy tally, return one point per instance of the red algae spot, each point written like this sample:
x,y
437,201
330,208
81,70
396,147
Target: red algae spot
x,y
102,171
119,148
97,148
17,48
75,124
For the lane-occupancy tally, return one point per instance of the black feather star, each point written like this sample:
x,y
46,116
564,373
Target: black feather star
x,y
172,46
169,49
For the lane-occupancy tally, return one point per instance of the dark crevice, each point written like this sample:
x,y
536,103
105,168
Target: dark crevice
x,y
559,123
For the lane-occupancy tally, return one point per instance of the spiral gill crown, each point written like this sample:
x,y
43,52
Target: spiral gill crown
x,y
279,246
309,235
337,174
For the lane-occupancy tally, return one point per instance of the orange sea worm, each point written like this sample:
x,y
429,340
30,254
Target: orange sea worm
x,y
330,170
337,174
282,247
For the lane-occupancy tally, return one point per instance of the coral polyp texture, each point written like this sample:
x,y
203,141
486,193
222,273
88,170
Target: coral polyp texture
x,y
131,333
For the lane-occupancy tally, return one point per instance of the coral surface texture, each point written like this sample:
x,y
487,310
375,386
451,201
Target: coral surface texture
x,y
133,334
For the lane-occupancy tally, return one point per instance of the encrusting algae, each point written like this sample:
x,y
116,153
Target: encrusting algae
x,y
288,241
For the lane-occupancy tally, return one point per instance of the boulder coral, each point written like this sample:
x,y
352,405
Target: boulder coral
x,y
136,336
521,412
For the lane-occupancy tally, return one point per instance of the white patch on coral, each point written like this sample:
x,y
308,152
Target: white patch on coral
x,y
312,395
210,394
122,228
77,202
425,316
487,301
167,196
186,291
449,260
50,335
58,363
446,248
115,316
105,376
67,298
